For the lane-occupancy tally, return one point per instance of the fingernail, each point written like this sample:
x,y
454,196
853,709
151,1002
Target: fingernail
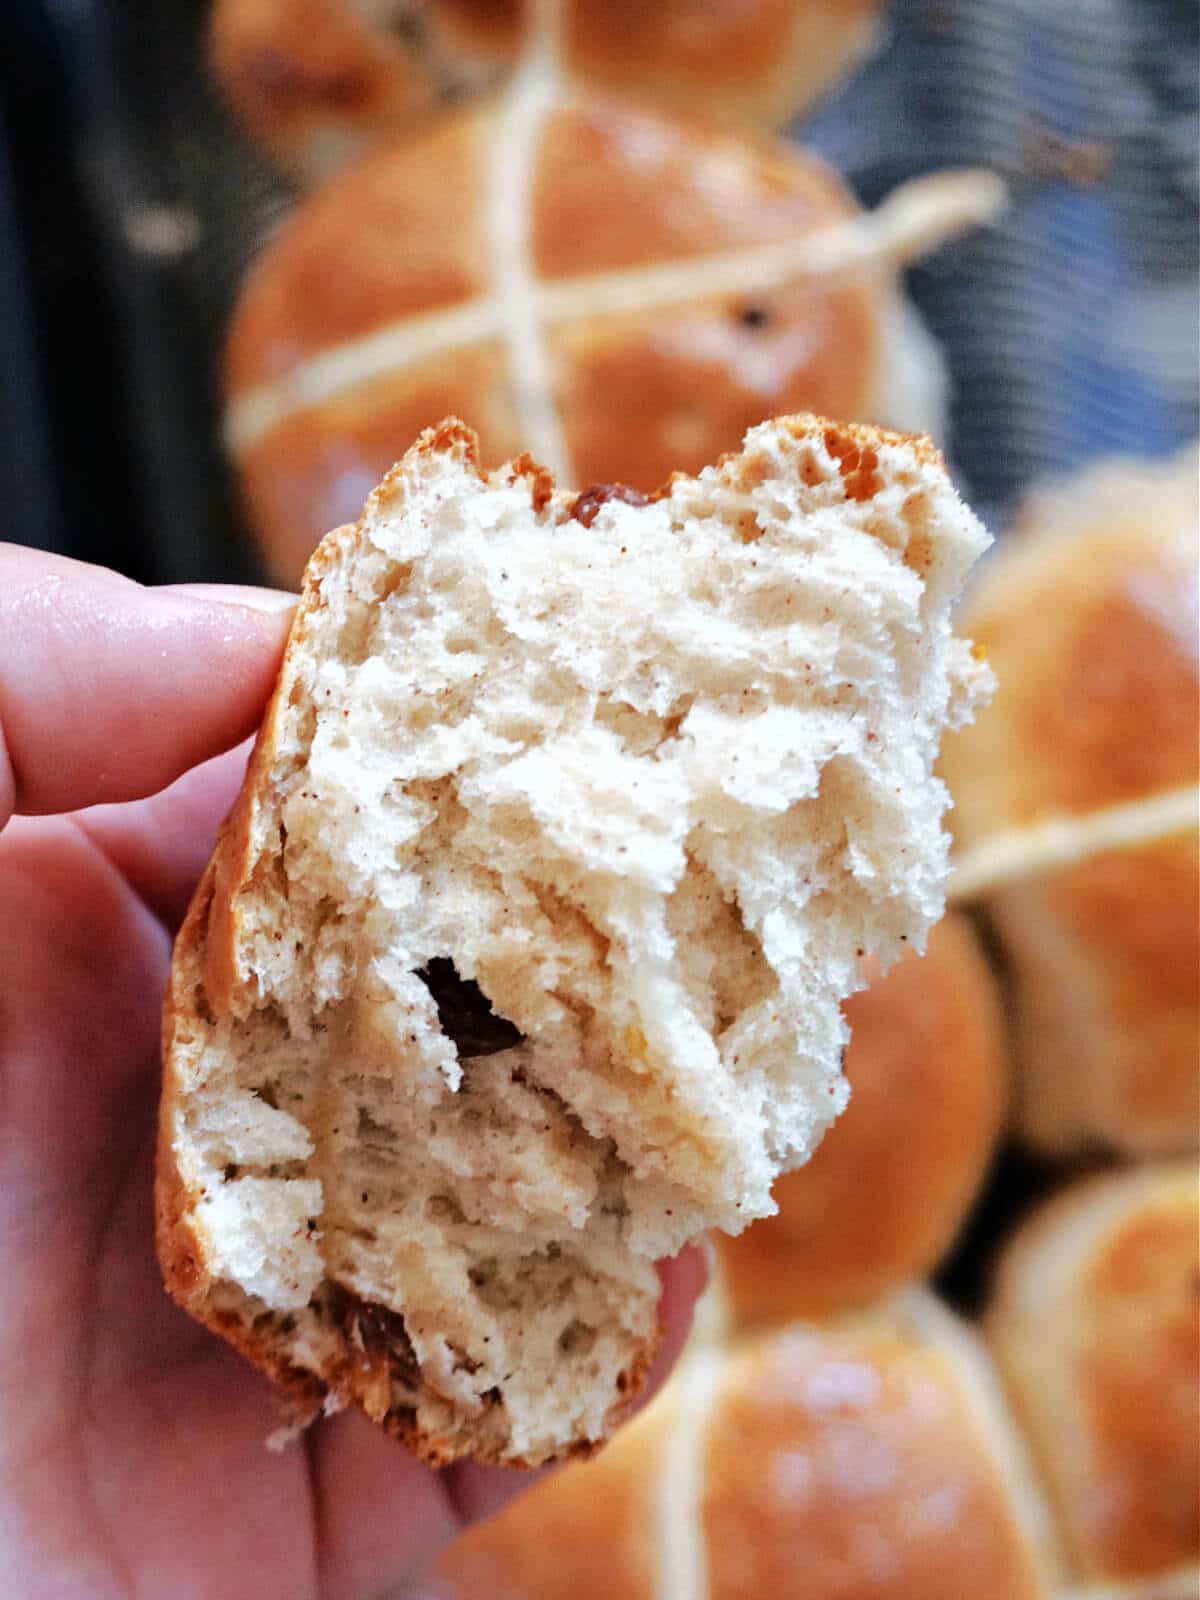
x,y
234,594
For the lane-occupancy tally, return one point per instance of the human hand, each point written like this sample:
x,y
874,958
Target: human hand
x,y
132,1457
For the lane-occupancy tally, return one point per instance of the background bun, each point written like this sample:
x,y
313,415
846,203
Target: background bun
x,y
870,1459
876,1455
317,81
1096,1326
887,1189
539,279
1088,615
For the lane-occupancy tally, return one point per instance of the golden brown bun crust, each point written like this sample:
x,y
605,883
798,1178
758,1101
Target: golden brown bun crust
x,y
1088,616
880,1201
1096,1324
640,395
831,1453
204,983
866,1460
316,82
588,1532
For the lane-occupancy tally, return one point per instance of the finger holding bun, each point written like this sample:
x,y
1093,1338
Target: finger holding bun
x,y
549,279
883,1196
1095,1324
1088,615
319,81
872,1458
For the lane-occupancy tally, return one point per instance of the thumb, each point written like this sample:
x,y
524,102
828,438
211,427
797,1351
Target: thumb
x,y
109,690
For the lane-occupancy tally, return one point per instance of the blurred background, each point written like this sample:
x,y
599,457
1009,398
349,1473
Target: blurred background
x,y
131,205
248,250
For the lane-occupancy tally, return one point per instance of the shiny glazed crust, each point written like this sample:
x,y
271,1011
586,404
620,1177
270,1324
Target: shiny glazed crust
x,y
811,1460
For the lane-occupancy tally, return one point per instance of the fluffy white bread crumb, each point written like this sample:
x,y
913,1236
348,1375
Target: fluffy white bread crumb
x,y
647,780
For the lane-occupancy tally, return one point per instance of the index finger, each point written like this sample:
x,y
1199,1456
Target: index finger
x,y
110,690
